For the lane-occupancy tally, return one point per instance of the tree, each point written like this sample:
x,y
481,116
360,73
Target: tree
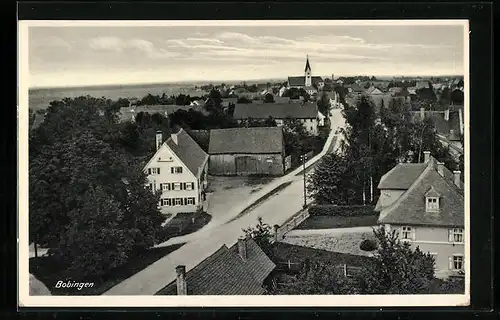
x,y
317,278
324,104
78,156
397,268
244,99
331,182
262,234
94,241
269,98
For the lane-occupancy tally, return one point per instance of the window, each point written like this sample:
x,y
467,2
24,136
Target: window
x,y
189,186
456,235
178,201
406,233
154,171
165,202
190,200
457,262
432,204
165,186
149,186
177,186
176,170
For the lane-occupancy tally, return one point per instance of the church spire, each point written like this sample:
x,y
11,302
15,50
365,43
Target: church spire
x,y
308,67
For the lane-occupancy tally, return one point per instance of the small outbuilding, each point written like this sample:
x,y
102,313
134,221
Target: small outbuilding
x,y
246,151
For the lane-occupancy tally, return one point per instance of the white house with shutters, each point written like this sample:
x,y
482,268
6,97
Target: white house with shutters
x,y
178,170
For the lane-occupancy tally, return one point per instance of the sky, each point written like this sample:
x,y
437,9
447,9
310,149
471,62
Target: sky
x,y
94,55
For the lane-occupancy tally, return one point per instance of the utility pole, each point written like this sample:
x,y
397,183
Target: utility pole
x,y
303,158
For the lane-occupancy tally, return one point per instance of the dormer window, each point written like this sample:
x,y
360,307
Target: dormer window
x,y
432,200
432,204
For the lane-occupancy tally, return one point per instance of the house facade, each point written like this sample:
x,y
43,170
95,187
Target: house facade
x,y
424,204
178,170
247,151
307,113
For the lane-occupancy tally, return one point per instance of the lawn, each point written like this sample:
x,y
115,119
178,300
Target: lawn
x,y
184,223
346,242
329,222
49,271
282,252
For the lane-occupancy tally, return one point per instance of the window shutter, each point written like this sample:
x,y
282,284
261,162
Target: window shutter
x,y
183,186
413,234
180,169
161,186
192,185
450,235
171,169
450,266
149,170
158,170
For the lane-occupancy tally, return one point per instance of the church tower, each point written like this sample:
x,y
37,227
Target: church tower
x,y
307,73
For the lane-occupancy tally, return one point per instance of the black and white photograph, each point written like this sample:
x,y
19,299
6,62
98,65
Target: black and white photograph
x,y
243,163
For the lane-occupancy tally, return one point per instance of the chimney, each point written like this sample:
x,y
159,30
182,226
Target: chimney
x,y
422,113
181,280
447,115
456,176
174,138
427,156
242,248
440,168
159,138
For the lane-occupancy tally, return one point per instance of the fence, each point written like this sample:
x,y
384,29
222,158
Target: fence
x,y
291,223
295,267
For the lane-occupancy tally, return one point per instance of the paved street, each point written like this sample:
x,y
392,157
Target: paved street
x,y
200,245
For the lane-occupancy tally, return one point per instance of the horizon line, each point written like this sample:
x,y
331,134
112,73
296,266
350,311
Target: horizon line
x,y
218,82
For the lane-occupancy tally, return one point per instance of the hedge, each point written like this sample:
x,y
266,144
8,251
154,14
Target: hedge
x,y
345,211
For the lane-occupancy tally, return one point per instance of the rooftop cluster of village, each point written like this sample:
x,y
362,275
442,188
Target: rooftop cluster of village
x,y
317,161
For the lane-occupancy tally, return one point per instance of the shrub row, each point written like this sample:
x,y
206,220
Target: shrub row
x,y
344,211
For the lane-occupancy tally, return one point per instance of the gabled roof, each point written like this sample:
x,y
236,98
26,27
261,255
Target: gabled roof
x,y
373,90
301,81
226,273
442,126
276,111
188,151
410,208
432,193
127,113
401,176
246,140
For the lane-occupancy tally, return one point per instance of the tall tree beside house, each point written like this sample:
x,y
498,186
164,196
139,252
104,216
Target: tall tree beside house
x,y
324,104
79,155
397,268
359,135
94,241
333,181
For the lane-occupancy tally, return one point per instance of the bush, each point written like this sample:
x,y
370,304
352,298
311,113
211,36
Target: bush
x,y
368,245
345,211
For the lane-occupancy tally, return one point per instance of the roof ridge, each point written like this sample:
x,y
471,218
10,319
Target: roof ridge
x,y
405,194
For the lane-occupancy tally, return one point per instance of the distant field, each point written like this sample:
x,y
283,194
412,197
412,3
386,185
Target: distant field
x,y
40,98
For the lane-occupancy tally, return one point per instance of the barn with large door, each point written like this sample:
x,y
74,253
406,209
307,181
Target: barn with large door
x,y
246,151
